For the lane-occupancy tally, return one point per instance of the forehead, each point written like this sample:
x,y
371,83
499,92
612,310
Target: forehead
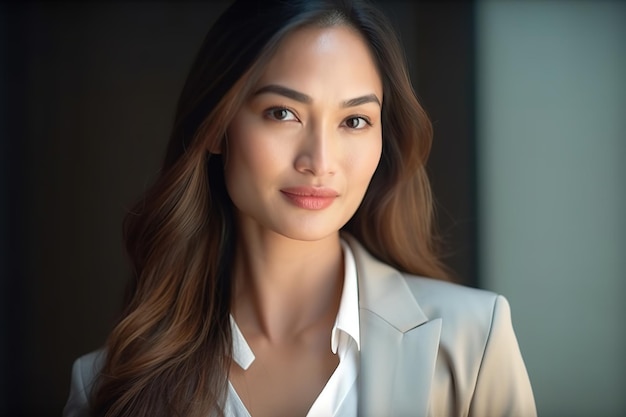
x,y
324,58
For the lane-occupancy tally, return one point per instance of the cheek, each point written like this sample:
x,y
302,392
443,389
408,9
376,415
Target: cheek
x,y
253,159
364,163
375,156
240,138
238,157
251,154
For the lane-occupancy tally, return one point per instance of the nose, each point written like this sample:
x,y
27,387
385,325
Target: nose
x,y
317,154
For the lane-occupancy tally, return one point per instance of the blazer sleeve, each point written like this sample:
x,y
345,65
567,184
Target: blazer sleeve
x,y
502,386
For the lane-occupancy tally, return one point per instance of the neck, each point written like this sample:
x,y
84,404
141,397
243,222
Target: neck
x,y
284,287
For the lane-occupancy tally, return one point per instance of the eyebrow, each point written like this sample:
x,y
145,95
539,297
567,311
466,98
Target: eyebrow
x,y
303,98
369,98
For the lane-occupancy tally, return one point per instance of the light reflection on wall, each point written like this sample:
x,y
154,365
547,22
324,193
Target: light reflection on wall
x,y
551,147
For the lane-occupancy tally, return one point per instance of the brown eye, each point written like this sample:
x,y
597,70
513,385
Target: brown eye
x,y
357,122
280,114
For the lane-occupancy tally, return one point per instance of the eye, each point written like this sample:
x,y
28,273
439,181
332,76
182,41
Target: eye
x,y
357,122
280,114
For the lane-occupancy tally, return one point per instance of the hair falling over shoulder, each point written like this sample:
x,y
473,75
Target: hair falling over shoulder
x,y
170,353
176,316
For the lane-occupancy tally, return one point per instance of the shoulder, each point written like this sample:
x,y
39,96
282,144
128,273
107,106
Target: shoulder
x,y
89,366
478,350
477,364
469,316
449,301
85,372
386,288
405,300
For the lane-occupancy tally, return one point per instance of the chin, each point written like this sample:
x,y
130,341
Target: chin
x,y
310,232
310,236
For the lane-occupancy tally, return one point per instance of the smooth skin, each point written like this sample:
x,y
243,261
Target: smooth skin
x,y
313,122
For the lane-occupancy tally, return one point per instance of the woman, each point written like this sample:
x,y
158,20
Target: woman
x,y
276,258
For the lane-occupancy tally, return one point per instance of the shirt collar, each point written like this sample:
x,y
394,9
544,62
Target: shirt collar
x,y
347,317
348,314
242,354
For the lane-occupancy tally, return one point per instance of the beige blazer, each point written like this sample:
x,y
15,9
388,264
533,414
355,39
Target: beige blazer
x,y
428,349
434,349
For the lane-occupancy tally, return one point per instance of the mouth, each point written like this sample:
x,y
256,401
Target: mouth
x,y
310,198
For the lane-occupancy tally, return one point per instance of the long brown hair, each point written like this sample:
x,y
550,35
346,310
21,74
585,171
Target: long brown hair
x,y
170,353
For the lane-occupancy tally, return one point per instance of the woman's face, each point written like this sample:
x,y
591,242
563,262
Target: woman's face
x,y
302,150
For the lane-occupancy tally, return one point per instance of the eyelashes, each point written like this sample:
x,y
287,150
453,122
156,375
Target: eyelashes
x,y
281,114
285,114
361,122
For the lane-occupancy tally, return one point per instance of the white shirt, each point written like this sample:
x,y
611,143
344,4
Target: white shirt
x,y
339,397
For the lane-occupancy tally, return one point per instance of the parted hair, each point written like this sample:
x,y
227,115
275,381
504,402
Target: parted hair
x,y
170,352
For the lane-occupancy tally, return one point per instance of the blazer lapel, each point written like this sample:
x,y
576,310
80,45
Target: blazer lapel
x,y
398,342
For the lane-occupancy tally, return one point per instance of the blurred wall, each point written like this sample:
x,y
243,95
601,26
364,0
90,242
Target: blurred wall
x,y
91,94
551,149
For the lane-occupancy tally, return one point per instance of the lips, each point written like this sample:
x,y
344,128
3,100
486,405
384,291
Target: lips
x,y
310,198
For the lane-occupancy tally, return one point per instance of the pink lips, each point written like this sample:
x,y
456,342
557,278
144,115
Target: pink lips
x,y
310,198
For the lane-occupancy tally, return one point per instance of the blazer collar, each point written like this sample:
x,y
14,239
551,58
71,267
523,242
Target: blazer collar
x,y
399,342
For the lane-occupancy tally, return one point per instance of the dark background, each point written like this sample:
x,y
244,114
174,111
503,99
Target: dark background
x,y
88,93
